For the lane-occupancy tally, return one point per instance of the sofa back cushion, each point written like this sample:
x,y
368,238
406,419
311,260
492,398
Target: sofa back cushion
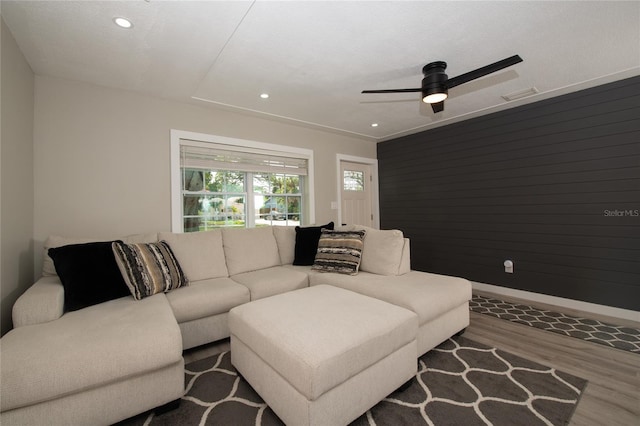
x,y
383,250
250,249
200,254
405,263
48,268
286,239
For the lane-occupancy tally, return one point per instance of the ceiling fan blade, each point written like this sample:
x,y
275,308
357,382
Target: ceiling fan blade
x,y
437,107
392,91
481,72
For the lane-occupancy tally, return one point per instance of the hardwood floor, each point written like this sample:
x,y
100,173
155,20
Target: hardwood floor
x,y
612,396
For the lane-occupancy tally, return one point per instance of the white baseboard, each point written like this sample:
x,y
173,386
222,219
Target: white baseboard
x,y
560,301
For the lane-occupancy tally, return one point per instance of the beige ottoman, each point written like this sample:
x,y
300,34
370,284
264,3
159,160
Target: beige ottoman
x,y
323,355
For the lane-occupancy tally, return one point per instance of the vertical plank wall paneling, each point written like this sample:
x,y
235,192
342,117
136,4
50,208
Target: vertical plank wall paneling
x,y
553,186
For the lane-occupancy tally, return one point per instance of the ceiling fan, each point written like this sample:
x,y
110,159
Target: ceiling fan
x,y
436,83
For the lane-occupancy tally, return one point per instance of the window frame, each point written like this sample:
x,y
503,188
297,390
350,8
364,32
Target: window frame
x,y
182,137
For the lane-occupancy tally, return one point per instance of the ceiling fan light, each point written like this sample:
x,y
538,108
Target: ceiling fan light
x,y
434,98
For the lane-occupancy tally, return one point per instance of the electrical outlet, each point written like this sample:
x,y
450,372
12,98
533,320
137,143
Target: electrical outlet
x,y
508,266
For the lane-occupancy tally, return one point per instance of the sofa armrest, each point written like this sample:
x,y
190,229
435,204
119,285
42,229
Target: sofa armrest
x,y
405,261
42,302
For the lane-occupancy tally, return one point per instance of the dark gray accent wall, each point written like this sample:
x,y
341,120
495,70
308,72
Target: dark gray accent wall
x,y
553,185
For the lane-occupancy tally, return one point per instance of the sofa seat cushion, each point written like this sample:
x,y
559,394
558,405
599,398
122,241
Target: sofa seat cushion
x,y
272,281
200,253
87,349
428,295
306,269
206,298
250,249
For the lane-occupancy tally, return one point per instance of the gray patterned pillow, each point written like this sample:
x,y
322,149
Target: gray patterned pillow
x,y
148,269
339,251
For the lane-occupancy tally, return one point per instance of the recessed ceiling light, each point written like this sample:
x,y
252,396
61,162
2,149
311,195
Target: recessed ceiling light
x,y
122,22
374,124
264,96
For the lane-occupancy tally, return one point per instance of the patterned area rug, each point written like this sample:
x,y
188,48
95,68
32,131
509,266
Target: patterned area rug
x,y
615,336
461,382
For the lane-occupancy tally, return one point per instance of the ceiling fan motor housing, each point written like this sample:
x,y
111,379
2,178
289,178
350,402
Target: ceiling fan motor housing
x,y
436,84
435,79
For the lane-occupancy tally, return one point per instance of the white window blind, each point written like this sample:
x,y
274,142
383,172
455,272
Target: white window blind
x,y
266,183
220,157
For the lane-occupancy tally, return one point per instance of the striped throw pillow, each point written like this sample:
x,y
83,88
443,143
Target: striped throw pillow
x,y
149,268
339,251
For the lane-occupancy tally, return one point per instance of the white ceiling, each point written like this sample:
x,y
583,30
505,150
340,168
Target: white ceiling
x,y
315,57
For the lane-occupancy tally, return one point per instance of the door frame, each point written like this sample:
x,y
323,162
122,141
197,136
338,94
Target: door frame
x,y
375,199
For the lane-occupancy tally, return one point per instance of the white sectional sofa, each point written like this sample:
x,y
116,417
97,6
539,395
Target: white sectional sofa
x,y
107,362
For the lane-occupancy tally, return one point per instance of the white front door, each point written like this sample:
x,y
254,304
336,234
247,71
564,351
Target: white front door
x,y
356,193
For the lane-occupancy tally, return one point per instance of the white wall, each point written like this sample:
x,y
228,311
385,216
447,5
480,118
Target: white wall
x,y
102,158
16,176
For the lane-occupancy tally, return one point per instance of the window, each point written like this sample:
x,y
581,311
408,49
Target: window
x,y
353,180
280,198
212,199
222,182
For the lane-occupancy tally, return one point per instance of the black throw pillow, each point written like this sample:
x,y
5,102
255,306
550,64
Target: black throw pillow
x,y
307,243
89,274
